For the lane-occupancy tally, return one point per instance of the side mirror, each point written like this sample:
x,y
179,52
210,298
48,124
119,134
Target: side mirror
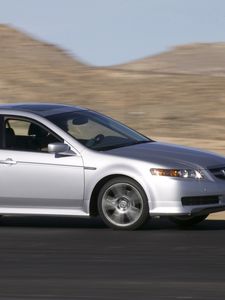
x,y
59,148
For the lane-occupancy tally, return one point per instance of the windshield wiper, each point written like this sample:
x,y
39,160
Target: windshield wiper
x,y
105,148
141,142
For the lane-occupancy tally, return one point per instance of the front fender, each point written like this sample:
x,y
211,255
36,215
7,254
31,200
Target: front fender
x,y
94,176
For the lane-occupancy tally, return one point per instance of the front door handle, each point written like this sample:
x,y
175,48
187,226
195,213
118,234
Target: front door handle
x,y
8,161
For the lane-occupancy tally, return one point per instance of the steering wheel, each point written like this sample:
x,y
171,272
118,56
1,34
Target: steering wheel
x,y
96,140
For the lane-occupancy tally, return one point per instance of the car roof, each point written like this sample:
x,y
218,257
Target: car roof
x,y
41,109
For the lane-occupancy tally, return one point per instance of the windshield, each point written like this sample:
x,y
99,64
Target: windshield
x,y
97,131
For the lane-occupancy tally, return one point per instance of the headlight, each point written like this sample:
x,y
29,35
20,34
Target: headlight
x,y
182,173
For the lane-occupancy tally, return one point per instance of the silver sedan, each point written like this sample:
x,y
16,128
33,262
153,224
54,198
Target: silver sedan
x,y
66,160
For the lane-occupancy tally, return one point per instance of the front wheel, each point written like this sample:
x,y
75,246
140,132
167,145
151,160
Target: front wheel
x,y
185,221
122,204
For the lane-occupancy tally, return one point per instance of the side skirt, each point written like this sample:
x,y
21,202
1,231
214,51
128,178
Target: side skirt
x,y
42,211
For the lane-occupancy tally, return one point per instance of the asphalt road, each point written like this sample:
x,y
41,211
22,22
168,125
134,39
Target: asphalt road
x,y
66,258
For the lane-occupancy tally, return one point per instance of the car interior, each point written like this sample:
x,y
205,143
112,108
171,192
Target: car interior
x,y
31,137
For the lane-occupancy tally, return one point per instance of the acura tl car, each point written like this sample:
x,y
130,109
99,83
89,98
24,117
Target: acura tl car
x,y
66,160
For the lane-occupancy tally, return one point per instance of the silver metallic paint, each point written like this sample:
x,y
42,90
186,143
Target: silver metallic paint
x,y
43,183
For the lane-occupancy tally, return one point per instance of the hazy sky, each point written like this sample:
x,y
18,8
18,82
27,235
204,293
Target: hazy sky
x,y
105,32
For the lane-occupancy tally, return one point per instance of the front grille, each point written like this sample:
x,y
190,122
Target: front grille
x,y
218,172
200,200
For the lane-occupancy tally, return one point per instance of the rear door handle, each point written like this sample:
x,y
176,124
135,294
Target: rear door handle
x,y
8,161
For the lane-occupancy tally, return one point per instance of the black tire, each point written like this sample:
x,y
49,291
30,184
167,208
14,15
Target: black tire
x,y
187,221
123,204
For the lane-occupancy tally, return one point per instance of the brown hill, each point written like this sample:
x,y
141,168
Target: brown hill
x,y
204,59
162,96
30,69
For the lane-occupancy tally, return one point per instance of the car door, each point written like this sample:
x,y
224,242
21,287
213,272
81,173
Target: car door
x,y
33,178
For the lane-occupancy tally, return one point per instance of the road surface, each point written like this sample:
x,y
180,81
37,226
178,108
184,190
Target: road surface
x,y
67,258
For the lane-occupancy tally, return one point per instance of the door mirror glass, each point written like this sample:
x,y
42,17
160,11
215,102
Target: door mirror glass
x,y
58,148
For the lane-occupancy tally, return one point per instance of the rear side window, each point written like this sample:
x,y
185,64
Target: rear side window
x,y
19,127
27,135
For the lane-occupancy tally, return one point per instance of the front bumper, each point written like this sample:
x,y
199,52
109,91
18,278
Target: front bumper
x,y
208,210
166,195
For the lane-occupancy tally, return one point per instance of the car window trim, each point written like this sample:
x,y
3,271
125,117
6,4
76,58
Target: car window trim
x,y
2,131
3,120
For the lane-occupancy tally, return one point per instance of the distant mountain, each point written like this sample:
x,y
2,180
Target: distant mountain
x,y
204,58
179,94
30,69
22,49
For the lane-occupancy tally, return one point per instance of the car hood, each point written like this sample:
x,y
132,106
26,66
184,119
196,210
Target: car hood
x,y
170,155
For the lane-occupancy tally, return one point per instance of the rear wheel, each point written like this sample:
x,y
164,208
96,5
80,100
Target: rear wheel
x,y
122,204
185,221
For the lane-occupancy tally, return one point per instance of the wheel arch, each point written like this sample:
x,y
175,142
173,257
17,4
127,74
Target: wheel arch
x,y
93,206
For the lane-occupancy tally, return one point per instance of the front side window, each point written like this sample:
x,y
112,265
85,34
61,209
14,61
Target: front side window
x,y
26,135
97,131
